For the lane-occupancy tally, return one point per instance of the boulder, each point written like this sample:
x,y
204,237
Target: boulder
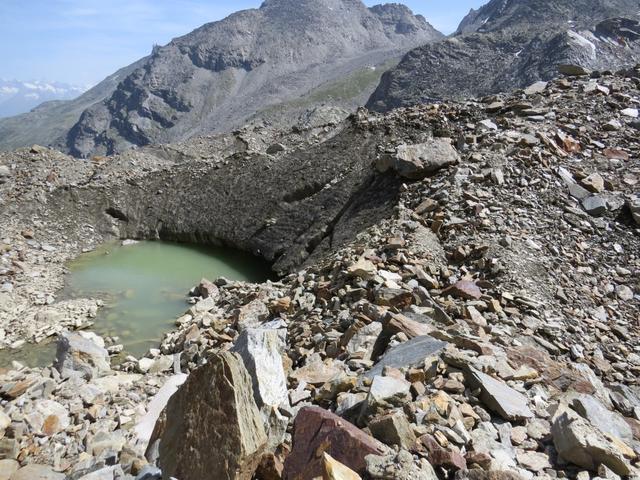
x,y
600,417
415,162
580,443
361,344
48,418
251,315
7,468
77,355
144,428
594,205
407,354
572,70
260,350
211,427
398,466
393,429
318,431
386,392
498,396
37,472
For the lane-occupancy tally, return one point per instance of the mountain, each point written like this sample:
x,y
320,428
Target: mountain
x,y
273,63
509,44
19,97
50,121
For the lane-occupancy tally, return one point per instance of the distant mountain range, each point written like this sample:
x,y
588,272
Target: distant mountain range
x,y
18,97
273,63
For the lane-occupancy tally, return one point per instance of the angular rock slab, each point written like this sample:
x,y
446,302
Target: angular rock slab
x,y
260,350
602,418
144,428
318,431
211,427
498,396
407,354
581,444
77,355
415,162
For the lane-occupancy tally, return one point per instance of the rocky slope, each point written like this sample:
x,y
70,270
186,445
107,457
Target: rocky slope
x,y
274,63
467,308
510,44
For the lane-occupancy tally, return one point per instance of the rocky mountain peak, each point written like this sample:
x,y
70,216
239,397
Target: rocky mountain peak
x,y
220,75
542,14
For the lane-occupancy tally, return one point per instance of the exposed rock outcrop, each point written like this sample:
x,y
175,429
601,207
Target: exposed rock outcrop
x,y
511,44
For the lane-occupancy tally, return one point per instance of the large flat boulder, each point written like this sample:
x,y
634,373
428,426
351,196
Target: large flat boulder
x,y
211,427
318,431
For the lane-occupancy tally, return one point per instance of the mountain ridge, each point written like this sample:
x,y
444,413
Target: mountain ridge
x,y
228,72
509,44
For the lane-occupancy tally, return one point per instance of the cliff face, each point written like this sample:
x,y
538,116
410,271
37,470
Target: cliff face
x,y
286,56
510,44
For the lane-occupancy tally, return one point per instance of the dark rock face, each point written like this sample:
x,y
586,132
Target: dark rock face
x,y
511,44
223,73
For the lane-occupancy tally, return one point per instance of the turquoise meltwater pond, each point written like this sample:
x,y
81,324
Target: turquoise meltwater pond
x,y
145,285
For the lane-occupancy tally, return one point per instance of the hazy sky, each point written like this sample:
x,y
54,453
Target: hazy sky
x,y
83,41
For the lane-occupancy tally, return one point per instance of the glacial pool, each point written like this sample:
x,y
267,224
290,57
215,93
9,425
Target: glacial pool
x,y
144,287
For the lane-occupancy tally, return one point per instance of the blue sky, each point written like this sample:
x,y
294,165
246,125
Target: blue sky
x,y
83,41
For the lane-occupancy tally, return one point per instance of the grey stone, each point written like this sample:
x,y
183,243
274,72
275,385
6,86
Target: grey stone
x,y
534,88
251,315
595,206
572,70
600,417
398,466
417,161
149,472
77,355
498,396
260,351
362,343
37,472
8,467
579,443
107,473
386,392
634,206
393,429
407,354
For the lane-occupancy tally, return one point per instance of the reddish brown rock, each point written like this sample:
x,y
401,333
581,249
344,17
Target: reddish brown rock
x,y
317,431
464,289
440,457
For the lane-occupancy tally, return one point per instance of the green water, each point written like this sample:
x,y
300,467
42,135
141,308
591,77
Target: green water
x,y
144,287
